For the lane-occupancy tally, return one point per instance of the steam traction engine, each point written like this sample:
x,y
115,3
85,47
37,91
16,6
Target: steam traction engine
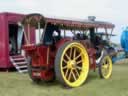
x,y
66,49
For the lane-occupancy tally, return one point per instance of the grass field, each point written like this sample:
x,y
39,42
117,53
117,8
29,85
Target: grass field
x,y
15,84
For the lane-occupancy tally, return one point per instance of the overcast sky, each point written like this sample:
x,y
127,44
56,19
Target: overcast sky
x,y
114,11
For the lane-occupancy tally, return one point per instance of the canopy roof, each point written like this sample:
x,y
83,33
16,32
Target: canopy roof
x,y
33,20
80,24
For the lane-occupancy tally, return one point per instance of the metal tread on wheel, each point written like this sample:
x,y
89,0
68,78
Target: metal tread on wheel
x,y
105,67
20,63
72,64
104,64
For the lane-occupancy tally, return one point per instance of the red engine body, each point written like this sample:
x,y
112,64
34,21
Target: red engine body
x,y
43,57
49,57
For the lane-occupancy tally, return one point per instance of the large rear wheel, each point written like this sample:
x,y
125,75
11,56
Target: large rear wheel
x,y
35,80
72,64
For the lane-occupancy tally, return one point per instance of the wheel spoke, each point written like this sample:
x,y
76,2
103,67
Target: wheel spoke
x,y
103,71
106,71
66,73
70,74
74,53
78,67
108,66
78,62
65,61
104,62
77,56
65,67
71,52
67,56
73,75
108,63
104,66
77,72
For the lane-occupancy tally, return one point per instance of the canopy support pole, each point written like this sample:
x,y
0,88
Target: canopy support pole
x,y
96,30
106,34
25,35
64,33
29,33
111,34
45,26
39,30
73,32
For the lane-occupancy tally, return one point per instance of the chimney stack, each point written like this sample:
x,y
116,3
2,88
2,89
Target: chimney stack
x,y
91,18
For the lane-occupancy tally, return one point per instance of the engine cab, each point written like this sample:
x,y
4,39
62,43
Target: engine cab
x,y
66,50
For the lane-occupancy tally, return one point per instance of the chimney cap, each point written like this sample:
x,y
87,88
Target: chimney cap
x,y
91,18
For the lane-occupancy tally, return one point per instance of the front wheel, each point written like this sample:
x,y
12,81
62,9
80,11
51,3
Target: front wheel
x,y
72,64
105,67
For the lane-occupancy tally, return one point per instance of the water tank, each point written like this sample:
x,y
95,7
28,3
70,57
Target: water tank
x,y
124,39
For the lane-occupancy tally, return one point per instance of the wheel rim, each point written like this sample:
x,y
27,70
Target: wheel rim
x,y
74,64
106,67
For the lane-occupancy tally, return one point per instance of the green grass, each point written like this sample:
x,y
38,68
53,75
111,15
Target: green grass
x,y
15,84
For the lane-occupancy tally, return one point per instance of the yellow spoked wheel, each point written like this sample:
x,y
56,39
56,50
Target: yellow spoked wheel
x,y
72,64
105,68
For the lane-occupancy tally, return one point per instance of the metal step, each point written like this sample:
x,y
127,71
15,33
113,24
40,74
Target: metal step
x,y
23,71
17,59
20,63
25,66
16,56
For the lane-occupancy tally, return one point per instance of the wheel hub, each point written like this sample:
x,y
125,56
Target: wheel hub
x,y
71,64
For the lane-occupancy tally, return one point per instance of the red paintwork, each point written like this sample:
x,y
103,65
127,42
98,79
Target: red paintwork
x,y
38,54
43,74
92,55
5,20
62,41
44,56
39,58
